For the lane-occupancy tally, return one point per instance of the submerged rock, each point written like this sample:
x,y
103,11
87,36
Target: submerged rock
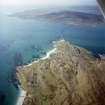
x,y
69,76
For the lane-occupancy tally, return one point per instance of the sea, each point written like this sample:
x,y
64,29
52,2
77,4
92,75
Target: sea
x,y
25,40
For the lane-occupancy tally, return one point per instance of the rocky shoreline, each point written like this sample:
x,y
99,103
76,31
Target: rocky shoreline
x,y
68,75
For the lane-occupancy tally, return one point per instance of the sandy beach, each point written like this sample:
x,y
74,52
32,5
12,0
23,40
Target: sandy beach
x,y
21,97
48,54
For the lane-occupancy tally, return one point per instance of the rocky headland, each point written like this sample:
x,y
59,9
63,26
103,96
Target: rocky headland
x,y
69,75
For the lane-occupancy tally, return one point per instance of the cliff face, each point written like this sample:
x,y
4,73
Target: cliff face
x,y
70,76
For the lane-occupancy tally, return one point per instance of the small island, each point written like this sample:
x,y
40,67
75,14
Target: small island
x,y
68,75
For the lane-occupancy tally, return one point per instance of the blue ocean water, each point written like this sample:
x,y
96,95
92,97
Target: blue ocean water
x,y
21,41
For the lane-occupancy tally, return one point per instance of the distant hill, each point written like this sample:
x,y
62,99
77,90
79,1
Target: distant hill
x,y
68,17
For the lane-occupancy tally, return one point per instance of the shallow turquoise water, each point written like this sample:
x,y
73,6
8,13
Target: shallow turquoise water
x,y
24,40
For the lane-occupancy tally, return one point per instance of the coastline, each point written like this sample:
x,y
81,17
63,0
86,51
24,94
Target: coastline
x,y
43,58
48,54
67,68
21,97
22,94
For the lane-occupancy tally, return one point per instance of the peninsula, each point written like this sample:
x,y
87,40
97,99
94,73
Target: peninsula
x,y
69,75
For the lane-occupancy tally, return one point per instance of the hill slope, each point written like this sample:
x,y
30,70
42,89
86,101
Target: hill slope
x,y
69,76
